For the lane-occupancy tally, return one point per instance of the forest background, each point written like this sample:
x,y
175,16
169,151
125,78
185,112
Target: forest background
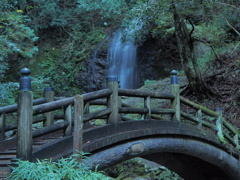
x,y
54,37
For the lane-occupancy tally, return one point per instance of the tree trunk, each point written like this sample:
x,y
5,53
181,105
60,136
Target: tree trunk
x,y
188,59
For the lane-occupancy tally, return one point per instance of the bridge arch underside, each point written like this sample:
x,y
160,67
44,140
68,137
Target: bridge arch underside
x,y
189,158
190,152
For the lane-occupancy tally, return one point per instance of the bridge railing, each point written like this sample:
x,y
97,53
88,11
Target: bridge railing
x,y
71,110
179,109
212,120
115,107
12,109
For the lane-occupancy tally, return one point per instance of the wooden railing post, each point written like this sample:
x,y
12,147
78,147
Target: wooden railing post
x,y
174,88
78,125
219,123
49,95
2,126
25,113
236,140
113,100
147,104
68,118
199,118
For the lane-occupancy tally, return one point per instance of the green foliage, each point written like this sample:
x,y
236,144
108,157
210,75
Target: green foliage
x,y
149,82
210,19
138,168
211,34
75,14
76,28
168,175
62,169
60,67
8,93
16,38
104,7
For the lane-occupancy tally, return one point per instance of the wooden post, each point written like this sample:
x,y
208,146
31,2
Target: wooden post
x,y
25,113
219,123
78,125
49,95
199,118
86,111
68,118
113,100
174,88
236,140
86,108
147,104
2,126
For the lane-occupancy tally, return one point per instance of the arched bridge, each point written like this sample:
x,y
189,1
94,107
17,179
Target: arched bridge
x,y
166,128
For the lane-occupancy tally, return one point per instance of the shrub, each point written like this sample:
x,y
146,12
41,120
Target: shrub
x,y
62,169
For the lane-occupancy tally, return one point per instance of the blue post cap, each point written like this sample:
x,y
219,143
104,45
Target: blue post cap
x,y
25,80
174,77
174,72
112,78
48,89
25,71
218,109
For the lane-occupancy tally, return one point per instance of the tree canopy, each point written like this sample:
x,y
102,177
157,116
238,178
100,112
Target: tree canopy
x,y
59,34
215,23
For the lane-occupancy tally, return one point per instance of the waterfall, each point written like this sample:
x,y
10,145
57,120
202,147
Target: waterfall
x,y
122,57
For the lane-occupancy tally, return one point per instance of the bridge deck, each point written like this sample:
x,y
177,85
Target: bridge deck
x,y
98,139
164,123
8,155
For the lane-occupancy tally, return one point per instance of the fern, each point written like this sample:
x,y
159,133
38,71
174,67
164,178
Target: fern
x,y
62,169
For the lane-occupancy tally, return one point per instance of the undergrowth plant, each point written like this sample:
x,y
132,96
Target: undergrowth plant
x,y
62,169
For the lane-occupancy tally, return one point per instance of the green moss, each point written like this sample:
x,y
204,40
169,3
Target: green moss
x,y
138,169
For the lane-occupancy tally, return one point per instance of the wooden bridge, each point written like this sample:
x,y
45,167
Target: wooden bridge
x,y
190,139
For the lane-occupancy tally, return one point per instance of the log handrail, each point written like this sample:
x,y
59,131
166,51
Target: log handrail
x,y
197,107
13,108
97,95
145,110
114,111
225,125
140,93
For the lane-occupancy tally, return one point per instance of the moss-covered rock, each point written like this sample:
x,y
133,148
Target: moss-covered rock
x,y
140,169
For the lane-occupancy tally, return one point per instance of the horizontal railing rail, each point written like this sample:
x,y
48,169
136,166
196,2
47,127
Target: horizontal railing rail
x,y
13,108
139,93
112,104
225,130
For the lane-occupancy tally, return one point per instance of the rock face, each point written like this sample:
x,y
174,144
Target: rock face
x,y
93,77
156,59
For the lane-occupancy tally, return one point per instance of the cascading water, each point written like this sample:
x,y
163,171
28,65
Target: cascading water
x,y
122,57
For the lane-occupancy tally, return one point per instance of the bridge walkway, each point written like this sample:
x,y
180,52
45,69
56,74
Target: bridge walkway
x,y
175,119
